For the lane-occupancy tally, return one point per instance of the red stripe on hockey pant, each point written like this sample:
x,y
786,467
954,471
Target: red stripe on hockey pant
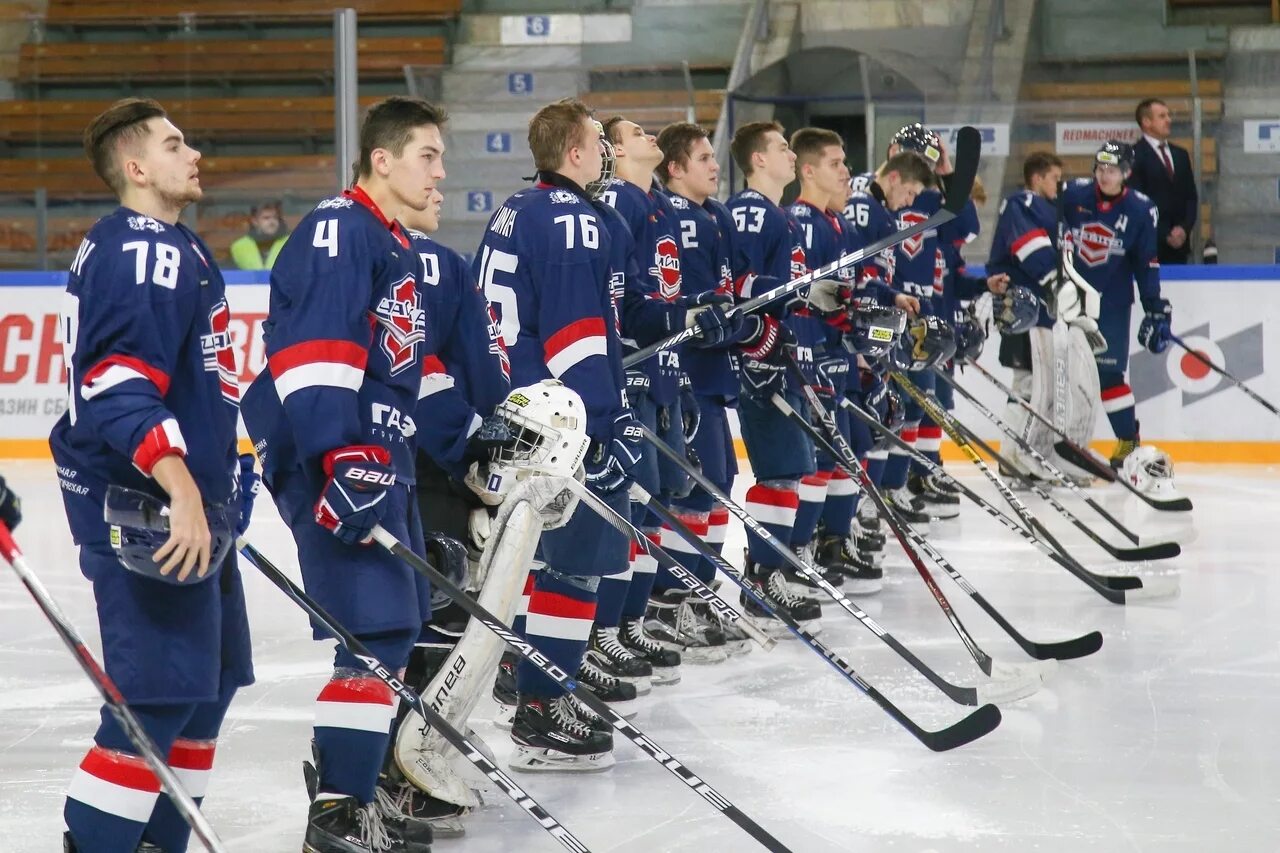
x,y
192,754
120,768
578,330
154,375
313,352
929,432
785,498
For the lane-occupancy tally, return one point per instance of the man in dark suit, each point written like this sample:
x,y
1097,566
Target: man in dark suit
x,y
1162,171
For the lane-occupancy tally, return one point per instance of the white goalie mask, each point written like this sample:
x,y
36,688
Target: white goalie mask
x,y
548,423
1149,470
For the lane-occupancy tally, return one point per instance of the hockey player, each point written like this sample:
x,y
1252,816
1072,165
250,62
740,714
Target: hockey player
x,y
768,250
332,419
691,176
152,407
10,506
1025,246
545,265
1113,231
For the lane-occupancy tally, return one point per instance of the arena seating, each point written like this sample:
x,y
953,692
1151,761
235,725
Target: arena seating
x,y
110,13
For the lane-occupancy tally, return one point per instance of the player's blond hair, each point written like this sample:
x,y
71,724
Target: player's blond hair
x,y
554,130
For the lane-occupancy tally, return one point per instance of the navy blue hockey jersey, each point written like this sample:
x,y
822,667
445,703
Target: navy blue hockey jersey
x,y
469,374
870,221
1114,242
150,367
918,260
768,249
1025,245
346,337
545,265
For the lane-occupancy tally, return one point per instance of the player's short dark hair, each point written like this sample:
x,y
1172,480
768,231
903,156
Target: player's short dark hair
x,y
910,166
119,125
390,123
555,129
1143,110
809,142
611,131
1037,163
749,140
676,141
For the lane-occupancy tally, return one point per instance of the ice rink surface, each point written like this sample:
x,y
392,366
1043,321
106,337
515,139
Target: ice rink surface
x,y
1165,740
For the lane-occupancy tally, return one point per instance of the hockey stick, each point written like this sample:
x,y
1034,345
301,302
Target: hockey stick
x,y
1079,456
567,683
968,150
691,581
1157,551
1078,647
349,641
111,695
958,694
1203,359
1021,681
1117,590
972,727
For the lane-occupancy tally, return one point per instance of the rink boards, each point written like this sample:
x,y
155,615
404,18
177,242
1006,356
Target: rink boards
x,y
1183,407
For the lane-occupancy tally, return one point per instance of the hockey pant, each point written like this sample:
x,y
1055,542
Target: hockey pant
x,y
895,472
781,455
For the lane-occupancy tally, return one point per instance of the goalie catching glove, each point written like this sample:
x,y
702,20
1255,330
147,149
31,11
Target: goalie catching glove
x,y
1077,303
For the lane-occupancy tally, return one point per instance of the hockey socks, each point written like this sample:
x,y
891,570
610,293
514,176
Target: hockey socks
x,y
812,496
895,469
558,624
684,553
928,442
1118,402
837,512
775,507
644,569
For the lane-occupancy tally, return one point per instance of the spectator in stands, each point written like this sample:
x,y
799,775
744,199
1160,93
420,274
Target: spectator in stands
x,y
1163,171
257,250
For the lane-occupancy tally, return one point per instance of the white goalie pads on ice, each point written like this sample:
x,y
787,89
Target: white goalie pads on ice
x,y
1062,384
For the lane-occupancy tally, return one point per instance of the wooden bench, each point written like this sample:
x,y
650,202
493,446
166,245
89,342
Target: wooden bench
x,y
655,109
114,12
1135,90
232,59
248,176
200,118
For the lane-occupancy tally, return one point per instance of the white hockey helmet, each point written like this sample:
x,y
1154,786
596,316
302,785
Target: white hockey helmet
x,y
549,425
1149,470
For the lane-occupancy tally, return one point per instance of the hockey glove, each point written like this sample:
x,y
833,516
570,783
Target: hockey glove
x,y
10,506
690,413
494,433
608,467
250,484
1154,331
706,313
764,366
637,387
833,373
353,500
1097,342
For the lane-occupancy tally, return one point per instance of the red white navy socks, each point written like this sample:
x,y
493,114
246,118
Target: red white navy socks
x,y
1118,402
837,512
774,506
115,799
812,495
354,712
558,623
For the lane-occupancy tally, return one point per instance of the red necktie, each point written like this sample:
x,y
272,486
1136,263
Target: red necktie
x,y
1164,155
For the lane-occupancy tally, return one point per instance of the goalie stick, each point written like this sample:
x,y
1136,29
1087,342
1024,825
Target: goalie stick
x,y
1203,359
960,695
1063,650
111,696
1116,589
1018,682
349,641
1079,456
522,647
1156,551
968,150
972,727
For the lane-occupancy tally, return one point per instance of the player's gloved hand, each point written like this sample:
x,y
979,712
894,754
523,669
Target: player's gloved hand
x,y
637,387
1154,331
250,484
706,311
608,466
690,412
10,506
1088,325
684,486
873,390
354,499
764,365
493,433
833,374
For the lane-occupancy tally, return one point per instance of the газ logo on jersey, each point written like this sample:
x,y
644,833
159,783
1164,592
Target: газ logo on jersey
x,y
912,245
218,355
666,270
1095,243
798,265
403,323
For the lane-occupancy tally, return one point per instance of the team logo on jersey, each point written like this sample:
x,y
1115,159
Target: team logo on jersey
x,y
912,245
563,197
335,203
403,323
798,265
497,348
216,350
666,269
1095,243
144,223
679,202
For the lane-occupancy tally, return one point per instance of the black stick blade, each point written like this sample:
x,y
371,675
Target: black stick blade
x,y
980,722
1086,461
1158,551
964,168
1069,649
